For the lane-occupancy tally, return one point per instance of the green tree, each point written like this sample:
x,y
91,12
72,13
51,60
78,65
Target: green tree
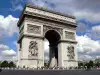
x,y
4,64
11,64
97,64
91,64
0,63
80,64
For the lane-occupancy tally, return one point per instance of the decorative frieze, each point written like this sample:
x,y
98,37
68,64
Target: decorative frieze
x,y
33,48
70,35
49,15
33,29
70,52
48,23
46,28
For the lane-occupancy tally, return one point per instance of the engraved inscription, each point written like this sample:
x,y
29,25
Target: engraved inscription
x,y
71,54
69,35
33,29
33,48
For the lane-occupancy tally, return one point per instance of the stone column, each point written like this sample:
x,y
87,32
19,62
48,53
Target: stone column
x,y
60,54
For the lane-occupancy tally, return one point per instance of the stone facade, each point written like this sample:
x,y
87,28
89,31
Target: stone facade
x,y
33,25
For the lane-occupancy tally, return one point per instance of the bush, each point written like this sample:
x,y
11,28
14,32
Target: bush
x,y
11,65
4,64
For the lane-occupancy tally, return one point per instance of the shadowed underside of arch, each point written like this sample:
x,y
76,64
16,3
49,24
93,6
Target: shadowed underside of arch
x,y
53,37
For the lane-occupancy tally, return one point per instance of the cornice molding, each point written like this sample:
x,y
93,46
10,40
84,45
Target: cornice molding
x,y
41,16
51,11
68,41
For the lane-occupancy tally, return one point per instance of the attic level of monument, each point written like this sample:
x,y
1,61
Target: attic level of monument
x,y
46,14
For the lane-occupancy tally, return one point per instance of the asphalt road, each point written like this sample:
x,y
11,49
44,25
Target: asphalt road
x,y
50,72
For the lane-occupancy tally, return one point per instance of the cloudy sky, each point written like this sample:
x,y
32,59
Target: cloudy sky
x,y
87,13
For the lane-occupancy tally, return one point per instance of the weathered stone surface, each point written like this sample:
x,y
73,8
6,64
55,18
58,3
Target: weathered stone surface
x,y
33,25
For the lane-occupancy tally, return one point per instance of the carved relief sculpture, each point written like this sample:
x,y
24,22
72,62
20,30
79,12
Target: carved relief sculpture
x,y
69,35
33,48
33,29
28,18
46,28
71,53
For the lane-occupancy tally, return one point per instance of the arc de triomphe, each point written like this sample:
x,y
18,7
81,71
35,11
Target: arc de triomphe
x,y
36,24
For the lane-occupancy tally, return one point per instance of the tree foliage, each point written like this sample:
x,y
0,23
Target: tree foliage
x,y
91,64
97,64
11,64
80,64
6,64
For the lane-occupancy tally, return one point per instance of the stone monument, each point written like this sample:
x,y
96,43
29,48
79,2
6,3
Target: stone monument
x,y
36,24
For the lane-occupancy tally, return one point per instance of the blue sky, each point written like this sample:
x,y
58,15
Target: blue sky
x,y
87,16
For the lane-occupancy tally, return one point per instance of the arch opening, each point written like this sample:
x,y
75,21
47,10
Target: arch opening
x,y
53,38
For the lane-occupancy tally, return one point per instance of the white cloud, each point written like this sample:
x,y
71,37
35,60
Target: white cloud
x,y
41,3
95,32
92,31
6,53
17,5
46,50
8,25
87,48
9,53
88,15
81,27
84,9
3,47
46,45
85,57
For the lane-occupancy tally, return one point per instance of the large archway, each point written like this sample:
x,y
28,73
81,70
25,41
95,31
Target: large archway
x,y
36,24
53,37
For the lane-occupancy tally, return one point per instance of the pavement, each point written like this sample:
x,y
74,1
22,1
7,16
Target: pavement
x,y
50,72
